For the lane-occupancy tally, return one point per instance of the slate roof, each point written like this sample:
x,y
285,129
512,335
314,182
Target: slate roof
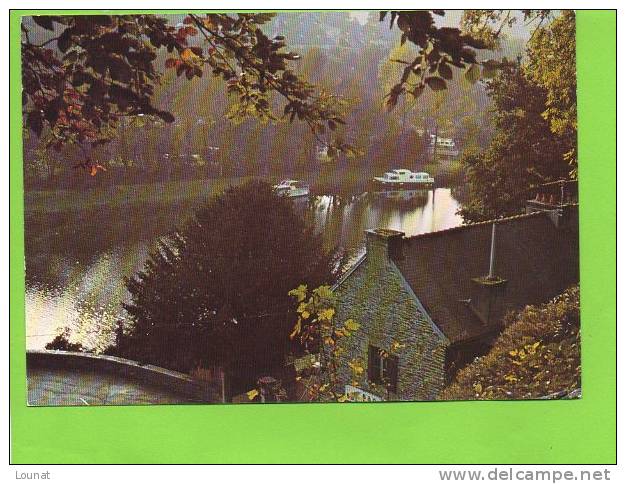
x,y
538,260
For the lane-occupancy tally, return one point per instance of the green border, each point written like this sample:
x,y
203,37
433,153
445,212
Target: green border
x,y
580,432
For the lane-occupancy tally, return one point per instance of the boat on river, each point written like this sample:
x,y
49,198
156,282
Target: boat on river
x,y
292,189
402,178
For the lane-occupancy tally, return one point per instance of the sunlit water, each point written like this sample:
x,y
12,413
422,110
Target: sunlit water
x,y
76,268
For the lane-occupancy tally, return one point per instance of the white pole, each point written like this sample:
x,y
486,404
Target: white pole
x,y
493,251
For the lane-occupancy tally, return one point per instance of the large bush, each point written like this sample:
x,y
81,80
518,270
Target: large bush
x,y
216,292
537,355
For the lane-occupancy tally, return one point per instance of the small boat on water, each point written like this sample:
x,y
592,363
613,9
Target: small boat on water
x,y
401,178
292,188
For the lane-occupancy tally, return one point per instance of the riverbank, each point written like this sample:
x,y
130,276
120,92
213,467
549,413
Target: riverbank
x,y
343,182
120,196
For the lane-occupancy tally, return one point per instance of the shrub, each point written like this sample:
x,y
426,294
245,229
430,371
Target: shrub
x,y
537,355
62,342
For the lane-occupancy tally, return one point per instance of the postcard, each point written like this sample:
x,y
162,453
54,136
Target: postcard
x,y
344,207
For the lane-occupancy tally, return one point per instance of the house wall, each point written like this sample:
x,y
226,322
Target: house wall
x,y
376,296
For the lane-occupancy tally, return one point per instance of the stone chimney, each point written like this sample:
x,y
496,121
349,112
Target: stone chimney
x,y
486,298
383,245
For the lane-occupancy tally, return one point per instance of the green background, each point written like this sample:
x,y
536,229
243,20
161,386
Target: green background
x,y
582,431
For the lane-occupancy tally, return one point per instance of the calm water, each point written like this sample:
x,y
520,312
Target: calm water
x,y
76,263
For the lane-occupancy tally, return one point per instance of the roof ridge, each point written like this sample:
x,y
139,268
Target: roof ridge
x,y
475,224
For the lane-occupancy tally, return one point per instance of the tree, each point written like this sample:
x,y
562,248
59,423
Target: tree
x,y
534,113
92,71
552,65
216,292
523,153
537,355
323,339
321,336
439,50
89,72
488,25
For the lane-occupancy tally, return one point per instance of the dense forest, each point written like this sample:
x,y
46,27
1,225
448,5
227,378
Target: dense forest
x,y
357,58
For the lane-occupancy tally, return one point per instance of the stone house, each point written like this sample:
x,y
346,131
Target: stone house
x,y
430,304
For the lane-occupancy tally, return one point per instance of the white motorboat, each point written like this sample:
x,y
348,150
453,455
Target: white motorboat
x,y
402,178
292,188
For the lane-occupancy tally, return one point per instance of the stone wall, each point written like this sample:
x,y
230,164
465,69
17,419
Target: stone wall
x,y
128,371
376,295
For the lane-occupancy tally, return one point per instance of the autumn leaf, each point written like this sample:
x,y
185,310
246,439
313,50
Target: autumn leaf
x,y
252,394
396,346
299,292
323,292
188,55
356,367
351,325
326,314
94,169
296,329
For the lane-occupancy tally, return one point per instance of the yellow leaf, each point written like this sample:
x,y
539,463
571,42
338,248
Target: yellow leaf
x,y
396,345
342,398
188,55
305,314
252,393
323,292
352,325
356,367
327,314
299,292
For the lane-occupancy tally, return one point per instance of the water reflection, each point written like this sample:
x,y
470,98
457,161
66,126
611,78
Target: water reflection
x,y
76,264
344,220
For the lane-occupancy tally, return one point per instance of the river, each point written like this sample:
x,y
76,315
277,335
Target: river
x,y
76,262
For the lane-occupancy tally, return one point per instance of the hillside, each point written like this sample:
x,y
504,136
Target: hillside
x,y
537,355
343,53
